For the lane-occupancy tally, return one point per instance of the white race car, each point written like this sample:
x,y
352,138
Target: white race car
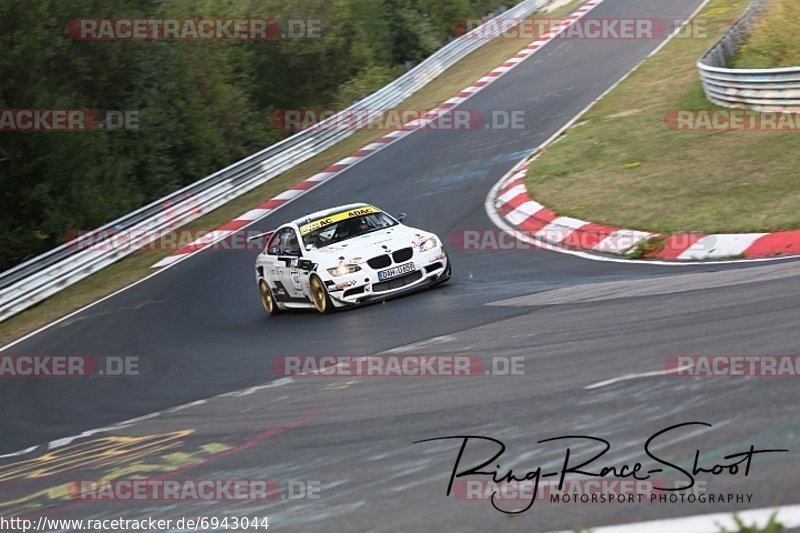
x,y
346,256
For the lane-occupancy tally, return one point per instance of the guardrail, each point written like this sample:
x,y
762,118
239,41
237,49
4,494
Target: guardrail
x,y
41,277
776,89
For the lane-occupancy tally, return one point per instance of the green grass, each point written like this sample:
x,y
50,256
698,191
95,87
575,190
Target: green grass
x,y
774,40
772,527
621,165
137,266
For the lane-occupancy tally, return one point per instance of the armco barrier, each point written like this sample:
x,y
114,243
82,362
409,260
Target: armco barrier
x,y
776,89
49,273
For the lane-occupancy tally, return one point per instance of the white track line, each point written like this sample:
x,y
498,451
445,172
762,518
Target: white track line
x,y
421,344
629,377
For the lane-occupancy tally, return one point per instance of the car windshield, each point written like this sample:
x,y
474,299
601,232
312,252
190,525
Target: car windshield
x,y
347,229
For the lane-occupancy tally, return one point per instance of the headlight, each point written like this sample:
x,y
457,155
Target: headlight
x,y
430,244
343,270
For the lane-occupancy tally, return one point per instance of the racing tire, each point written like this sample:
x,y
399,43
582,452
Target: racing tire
x,y
271,306
319,296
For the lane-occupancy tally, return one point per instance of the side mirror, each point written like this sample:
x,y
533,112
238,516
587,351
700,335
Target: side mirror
x,y
305,264
402,217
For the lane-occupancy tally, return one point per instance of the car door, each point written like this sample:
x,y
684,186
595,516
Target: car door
x,y
273,266
288,259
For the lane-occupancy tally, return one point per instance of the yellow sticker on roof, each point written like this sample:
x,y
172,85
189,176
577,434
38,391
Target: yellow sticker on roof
x,y
338,217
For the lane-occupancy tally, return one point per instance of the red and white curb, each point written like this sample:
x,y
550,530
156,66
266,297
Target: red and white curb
x,y
510,207
534,222
267,207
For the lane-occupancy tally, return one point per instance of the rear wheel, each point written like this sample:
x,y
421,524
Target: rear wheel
x,y
267,299
320,297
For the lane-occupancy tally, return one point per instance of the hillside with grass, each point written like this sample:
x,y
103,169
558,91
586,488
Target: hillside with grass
x,y
624,165
773,41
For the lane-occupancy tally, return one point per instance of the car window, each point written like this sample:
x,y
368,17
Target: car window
x,y
289,243
347,229
273,248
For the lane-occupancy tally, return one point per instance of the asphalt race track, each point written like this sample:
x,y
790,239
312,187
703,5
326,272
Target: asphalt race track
x,y
201,331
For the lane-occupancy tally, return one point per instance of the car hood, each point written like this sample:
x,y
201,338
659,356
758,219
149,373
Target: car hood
x,y
360,249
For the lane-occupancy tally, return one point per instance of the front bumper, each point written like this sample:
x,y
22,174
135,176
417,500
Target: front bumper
x,y
364,286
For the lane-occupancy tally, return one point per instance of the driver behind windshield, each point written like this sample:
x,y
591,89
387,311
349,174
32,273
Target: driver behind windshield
x,y
347,229
351,228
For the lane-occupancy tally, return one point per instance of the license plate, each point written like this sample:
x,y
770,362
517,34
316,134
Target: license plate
x,y
383,275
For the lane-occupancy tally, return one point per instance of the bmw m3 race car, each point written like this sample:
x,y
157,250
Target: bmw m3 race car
x,y
346,256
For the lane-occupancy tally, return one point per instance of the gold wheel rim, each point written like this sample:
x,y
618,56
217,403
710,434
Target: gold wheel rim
x,y
266,297
318,292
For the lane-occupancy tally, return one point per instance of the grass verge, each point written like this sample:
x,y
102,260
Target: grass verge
x,y
773,526
774,41
137,266
621,165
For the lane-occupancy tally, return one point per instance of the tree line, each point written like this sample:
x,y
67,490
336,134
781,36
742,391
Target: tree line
x,y
199,104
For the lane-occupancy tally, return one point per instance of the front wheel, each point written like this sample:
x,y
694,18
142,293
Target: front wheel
x,y
320,297
267,299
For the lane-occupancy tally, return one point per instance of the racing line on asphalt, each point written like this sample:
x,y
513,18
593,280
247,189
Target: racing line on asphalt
x,y
204,333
